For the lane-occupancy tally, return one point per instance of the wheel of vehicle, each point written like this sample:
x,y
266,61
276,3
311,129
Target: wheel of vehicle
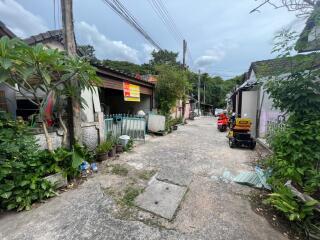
x,y
231,143
253,145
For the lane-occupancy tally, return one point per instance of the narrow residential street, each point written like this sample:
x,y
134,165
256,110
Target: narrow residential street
x,y
212,208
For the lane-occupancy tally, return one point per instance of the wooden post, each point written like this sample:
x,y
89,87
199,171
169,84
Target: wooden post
x,y
71,49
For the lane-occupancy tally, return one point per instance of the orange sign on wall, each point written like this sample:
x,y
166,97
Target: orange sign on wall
x,y
131,92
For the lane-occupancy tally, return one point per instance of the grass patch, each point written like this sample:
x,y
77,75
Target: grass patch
x,y
119,170
146,175
130,193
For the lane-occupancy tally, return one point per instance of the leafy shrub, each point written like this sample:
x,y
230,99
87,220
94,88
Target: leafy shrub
x,y
296,147
68,162
105,147
284,200
22,167
171,86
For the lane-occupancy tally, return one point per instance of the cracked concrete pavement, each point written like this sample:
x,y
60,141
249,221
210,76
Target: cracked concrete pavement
x,y
211,209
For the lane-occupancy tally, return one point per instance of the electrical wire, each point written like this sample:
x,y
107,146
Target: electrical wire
x,y
126,15
161,10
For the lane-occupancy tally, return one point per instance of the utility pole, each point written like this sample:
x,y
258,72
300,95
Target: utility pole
x,y
70,48
199,98
184,53
204,92
184,68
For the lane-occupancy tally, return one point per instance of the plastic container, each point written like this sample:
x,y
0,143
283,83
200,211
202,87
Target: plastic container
x,y
124,139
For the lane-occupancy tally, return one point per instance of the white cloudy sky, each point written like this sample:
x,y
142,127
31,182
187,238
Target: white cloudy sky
x,y
222,36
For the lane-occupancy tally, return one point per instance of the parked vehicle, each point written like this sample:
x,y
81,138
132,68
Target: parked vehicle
x,y
239,134
223,122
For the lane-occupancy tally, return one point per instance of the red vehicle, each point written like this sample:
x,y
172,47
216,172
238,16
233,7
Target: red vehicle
x,y
223,122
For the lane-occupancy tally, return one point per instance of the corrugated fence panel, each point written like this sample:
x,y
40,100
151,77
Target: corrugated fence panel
x,y
118,124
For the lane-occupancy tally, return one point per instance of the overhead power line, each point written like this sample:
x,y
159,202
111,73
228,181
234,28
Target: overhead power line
x,y
162,12
125,14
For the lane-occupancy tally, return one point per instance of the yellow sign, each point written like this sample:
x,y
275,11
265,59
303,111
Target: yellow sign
x,y
131,92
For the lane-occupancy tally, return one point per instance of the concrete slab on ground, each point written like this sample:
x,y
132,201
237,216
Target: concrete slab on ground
x,y
175,176
161,198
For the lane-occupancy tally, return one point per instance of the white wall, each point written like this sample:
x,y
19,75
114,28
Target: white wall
x,y
249,108
267,112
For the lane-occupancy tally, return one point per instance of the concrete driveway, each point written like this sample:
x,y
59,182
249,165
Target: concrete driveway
x,y
211,209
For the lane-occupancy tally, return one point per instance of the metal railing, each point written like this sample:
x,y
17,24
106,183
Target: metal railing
x,y
123,124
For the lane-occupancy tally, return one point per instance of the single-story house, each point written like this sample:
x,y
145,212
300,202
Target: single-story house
x,y
113,96
251,98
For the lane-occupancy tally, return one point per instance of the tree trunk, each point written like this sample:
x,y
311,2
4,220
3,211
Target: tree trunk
x,y
48,138
65,131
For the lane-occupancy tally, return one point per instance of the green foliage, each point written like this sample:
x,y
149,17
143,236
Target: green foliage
x,y
22,168
146,174
36,69
105,147
119,170
286,202
129,145
88,52
164,57
284,42
130,193
69,161
297,146
216,88
171,86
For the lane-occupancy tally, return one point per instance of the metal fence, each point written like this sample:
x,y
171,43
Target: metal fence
x,y
123,124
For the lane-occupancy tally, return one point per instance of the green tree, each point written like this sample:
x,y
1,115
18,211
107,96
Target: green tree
x,y
171,86
164,57
88,52
42,75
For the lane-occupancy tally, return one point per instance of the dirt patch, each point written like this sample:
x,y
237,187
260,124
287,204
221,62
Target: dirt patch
x,y
277,220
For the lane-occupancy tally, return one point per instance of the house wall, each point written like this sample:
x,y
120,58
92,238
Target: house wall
x,y
187,110
267,112
249,108
93,134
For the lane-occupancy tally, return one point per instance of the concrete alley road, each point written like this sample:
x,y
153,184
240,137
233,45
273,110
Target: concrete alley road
x,y
211,209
